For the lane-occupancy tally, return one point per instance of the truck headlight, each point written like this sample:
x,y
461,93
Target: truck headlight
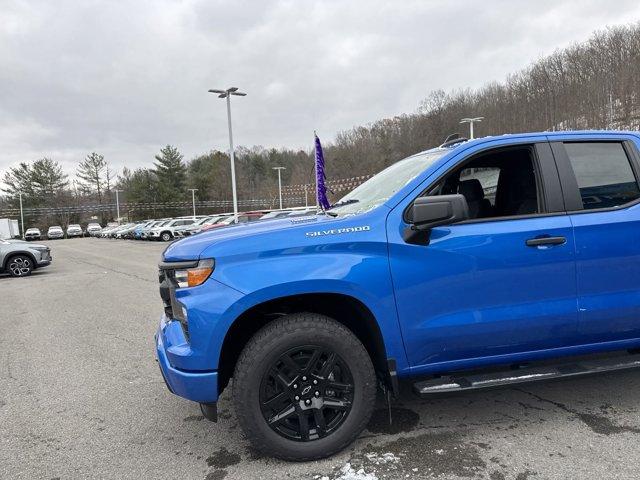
x,y
192,277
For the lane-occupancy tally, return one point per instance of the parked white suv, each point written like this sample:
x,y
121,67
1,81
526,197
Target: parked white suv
x,y
94,229
55,232
166,231
32,234
74,230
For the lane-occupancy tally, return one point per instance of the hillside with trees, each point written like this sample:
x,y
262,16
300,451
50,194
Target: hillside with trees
x,y
590,85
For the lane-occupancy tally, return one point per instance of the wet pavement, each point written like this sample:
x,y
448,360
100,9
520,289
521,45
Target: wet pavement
x,y
81,397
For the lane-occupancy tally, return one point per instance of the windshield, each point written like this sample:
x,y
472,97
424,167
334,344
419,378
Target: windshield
x,y
378,189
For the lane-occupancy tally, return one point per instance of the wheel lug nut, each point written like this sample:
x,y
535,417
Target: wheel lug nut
x,y
315,382
317,394
304,379
295,385
308,402
297,398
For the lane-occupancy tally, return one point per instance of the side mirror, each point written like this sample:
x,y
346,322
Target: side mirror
x,y
430,212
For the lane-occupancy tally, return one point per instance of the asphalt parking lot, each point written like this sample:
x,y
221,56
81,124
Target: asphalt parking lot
x,y
81,397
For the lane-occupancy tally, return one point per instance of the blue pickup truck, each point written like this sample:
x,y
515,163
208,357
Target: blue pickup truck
x,y
474,264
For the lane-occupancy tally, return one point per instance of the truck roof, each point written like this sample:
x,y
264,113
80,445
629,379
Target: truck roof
x,y
524,135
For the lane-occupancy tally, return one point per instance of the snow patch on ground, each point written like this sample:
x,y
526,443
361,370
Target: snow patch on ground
x,y
382,459
348,473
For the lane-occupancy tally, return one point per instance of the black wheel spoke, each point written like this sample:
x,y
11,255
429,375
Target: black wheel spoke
x,y
321,423
293,366
341,387
282,415
276,401
328,365
336,404
313,361
281,378
304,424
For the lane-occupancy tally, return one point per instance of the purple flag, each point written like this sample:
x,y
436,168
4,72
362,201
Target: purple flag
x,y
321,188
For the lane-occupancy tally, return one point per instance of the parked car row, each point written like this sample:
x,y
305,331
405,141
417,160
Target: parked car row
x,y
56,232
167,229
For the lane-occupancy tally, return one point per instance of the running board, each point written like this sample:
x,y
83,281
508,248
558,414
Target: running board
x,y
522,374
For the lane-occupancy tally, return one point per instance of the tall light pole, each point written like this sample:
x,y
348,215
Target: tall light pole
x,y
471,121
21,214
118,205
193,200
227,94
279,169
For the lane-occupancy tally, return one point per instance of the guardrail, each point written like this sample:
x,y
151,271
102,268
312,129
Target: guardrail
x,y
294,195
133,207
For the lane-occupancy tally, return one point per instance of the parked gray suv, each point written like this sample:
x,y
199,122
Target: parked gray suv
x,y
19,259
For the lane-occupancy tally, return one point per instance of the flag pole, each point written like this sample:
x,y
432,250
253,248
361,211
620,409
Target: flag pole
x,y
315,169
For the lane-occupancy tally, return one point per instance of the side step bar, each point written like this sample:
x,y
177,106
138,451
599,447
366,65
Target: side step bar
x,y
522,374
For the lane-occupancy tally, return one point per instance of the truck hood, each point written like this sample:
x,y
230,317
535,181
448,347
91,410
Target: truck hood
x,y
190,248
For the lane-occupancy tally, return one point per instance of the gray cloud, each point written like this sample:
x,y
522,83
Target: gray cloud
x,y
125,78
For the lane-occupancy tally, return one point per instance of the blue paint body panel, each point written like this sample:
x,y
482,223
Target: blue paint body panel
x,y
475,296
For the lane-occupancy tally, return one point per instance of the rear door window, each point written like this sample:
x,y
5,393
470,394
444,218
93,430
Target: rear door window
x,y
604,174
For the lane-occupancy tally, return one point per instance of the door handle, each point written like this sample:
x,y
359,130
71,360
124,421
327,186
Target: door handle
x,y
542,241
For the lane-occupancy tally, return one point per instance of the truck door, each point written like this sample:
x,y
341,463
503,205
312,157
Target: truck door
x,y
600,180
499,284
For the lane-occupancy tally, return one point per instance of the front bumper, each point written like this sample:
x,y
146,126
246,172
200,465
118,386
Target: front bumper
x,y
201,386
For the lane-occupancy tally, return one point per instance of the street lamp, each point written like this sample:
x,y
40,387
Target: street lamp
x,y
193,200
279,169
118,205
227,94
21,214
471,121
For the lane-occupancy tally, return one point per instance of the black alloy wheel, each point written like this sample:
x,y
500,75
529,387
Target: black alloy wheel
x,y
307,393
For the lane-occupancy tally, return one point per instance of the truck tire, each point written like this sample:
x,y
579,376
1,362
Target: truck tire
x,y
304,387
19,266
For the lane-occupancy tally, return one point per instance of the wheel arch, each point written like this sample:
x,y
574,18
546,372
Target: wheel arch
x,y
10,255
347,310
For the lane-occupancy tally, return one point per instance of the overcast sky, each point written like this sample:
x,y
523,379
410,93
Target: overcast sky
x,y
125,78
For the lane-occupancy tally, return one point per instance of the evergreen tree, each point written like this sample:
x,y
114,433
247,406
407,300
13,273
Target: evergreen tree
x,y
48,179
90,172
171,174
18,179
40,183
